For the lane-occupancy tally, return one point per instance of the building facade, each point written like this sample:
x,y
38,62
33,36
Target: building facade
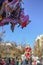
x,y
38,46
10,50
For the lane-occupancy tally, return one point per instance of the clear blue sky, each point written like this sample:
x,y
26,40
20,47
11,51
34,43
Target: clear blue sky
x,y
34,8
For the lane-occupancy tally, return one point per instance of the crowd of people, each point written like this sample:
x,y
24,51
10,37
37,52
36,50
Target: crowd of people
x,y
19,61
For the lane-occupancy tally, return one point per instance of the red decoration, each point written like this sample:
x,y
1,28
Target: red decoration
x,y
28,49
28,55
24,24
28,52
